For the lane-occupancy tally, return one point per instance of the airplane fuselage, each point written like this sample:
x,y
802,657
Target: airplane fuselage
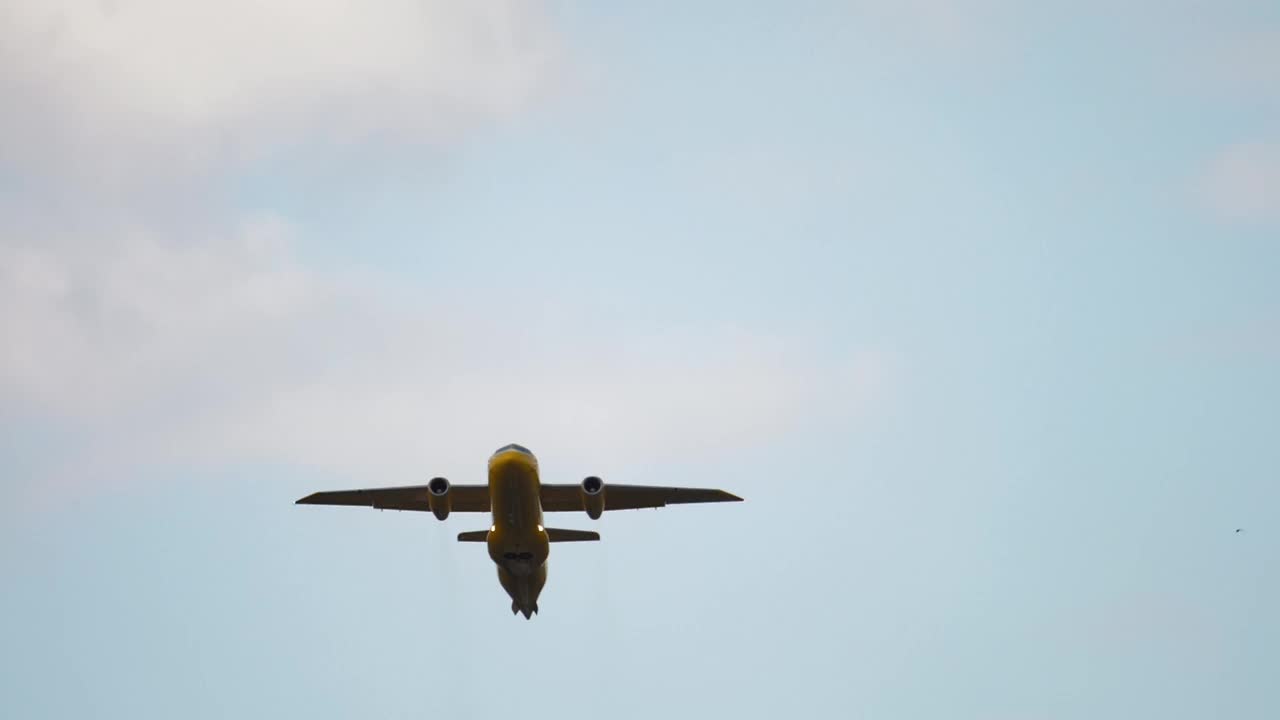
x,y
518,542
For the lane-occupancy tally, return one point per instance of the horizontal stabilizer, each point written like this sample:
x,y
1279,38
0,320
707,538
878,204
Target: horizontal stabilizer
x,y
561,535
553,535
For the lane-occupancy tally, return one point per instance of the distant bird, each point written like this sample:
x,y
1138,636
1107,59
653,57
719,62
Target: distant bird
x,y
1239,529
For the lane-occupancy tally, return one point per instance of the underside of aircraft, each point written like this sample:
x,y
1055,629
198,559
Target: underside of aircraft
x,y
518,541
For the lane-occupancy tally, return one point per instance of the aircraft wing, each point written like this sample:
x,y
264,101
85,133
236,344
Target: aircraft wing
x,y
462,498
565,498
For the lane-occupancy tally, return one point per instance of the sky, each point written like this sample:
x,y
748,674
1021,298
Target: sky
x,y
974,302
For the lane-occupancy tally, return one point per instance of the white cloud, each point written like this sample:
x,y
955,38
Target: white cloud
x,y
159,327
944,24
1248,62
227,349
125,87
1242,182
1233,60
88,326
944,36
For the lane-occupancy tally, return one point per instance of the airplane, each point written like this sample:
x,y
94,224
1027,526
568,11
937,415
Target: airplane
x,y
518,542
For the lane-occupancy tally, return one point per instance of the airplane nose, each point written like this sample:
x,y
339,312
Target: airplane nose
x,y
512,464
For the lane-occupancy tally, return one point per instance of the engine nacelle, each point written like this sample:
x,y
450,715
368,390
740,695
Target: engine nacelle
x,y
438,497
592,492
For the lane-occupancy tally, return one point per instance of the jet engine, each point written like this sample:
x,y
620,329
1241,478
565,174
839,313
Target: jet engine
x,y
592,492
438,497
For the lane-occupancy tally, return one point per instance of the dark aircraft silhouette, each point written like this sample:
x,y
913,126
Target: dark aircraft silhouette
x,y
518,542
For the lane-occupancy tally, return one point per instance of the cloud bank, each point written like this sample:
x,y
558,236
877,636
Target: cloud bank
x,y
151,323
117,88
1242,182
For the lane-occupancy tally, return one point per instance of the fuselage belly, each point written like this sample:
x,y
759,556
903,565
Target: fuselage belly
x,y
517,540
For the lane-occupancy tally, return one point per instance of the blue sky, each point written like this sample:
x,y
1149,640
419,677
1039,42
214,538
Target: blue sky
x,y
974,304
